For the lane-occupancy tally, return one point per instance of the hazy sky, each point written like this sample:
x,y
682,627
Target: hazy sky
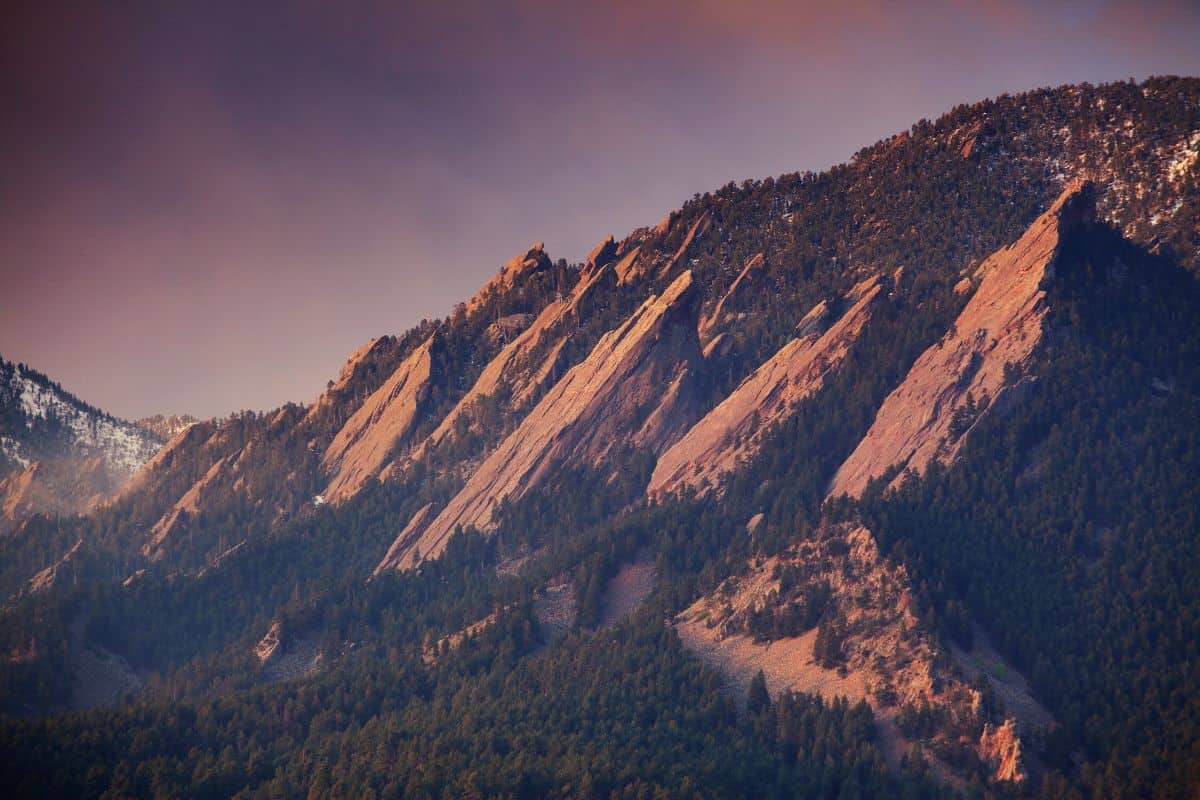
x,y
206,206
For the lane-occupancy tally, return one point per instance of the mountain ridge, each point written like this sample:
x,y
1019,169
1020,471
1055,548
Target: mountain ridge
x,y
763,395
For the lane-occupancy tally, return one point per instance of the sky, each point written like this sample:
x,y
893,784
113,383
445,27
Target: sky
x,y
205,207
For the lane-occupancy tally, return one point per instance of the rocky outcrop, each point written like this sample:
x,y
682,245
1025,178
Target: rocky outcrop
x,y
601,254
512,369
720,313
404,542
832,616
382,425
179,515
698,229
166,426
50,576
631,267
57,487
956,381
733,431
269,647
189,438
353,364
532,261
1000,748
634,389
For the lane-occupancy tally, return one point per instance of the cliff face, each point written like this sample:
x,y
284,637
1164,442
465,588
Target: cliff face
x,y
712,322
634,388
963,376
733,430
384,423
533,260
516,373
1000,748
833,616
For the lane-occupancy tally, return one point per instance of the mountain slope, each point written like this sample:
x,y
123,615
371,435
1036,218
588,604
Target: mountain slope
x,y
634,390
978,363
731,431
61,455
727,347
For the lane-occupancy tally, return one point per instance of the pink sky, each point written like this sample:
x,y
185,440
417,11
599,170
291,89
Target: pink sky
x,y
207,210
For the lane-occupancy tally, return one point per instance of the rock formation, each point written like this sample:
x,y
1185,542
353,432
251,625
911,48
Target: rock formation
x,y
180,513
57,487
368,440
832,616
957,380
642,370
719,315
1000,748
49,576
531,261
511,369
733,431
603,253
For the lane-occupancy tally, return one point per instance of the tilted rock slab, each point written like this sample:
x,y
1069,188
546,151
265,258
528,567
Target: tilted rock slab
x,y
1001,324
600,403
720,314
366,443
734,430
507,367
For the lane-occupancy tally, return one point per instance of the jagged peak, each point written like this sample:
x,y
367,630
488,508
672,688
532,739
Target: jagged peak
x,y
953,383
602,253
532,261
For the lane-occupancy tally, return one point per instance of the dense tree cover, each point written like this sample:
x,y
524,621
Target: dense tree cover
x,y
1070,526
1077,504
623,714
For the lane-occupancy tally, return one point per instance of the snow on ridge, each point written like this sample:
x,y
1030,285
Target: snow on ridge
x,y
124,445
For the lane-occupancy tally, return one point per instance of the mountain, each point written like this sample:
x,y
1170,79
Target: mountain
x,y
166,426
875,482
58,454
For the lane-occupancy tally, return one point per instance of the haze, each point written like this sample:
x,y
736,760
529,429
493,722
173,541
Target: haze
x,y
206,209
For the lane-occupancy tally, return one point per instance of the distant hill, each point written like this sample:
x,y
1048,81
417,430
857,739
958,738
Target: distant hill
x,y
58,454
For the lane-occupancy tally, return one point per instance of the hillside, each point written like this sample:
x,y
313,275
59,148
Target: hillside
x,y
59,455
872,431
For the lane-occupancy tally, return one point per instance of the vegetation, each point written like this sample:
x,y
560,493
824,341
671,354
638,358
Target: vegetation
x,y
1067,529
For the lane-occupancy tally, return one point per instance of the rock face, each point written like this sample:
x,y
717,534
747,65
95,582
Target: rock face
x,y
510,369
404,541
634,388
1000,748
269,646
832,616
532,260
166,426
179,514
733,430
699,228
50,576
711,323
602,253
384,422
957,380
359,357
